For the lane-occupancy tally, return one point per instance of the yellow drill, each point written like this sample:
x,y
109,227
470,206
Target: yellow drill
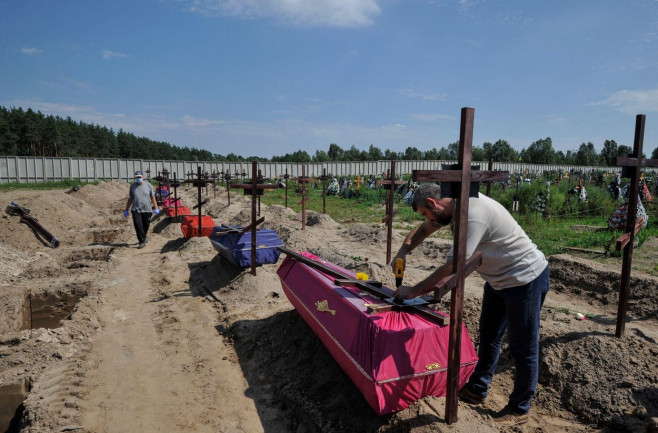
x,y
399,272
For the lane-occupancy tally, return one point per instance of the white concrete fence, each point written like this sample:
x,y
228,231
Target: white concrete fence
x,y
43,169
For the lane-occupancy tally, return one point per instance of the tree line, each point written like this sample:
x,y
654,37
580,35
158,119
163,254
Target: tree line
x,y
30,133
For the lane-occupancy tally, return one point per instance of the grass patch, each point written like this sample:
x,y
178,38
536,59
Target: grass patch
x,y
552,233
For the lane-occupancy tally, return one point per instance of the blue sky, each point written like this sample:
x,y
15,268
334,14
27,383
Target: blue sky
x,y
269,77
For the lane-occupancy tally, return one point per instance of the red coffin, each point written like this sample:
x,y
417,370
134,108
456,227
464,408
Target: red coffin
x,y
394,358
182,210
190,226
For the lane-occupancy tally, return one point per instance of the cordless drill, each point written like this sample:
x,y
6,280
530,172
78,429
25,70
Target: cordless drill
x,y
399,272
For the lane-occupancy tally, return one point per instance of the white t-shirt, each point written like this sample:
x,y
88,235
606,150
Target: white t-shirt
x,y
509,258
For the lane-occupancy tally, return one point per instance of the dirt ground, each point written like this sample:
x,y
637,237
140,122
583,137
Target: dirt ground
x,y
173,338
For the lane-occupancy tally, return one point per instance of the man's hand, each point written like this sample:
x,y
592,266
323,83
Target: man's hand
x,y
404,292
156,211
126,213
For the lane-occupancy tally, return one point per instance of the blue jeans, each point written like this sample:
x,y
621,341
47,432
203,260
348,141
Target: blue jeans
x,y
517,311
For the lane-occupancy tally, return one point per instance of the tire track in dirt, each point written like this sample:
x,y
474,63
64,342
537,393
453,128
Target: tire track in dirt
x,y
157,363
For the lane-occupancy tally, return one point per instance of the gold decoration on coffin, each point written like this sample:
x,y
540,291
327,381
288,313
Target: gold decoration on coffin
x,y
323,306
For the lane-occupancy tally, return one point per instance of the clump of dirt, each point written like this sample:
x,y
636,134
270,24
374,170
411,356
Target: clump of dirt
x,y
602,379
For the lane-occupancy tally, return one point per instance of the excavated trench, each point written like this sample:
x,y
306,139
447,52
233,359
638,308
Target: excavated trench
x,y
47,310
12,396
38,310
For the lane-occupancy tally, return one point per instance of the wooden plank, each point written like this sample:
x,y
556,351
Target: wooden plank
x,y
630,161
584,250
626,237
455,175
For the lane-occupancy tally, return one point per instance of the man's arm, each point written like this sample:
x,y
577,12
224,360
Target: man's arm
x,y
425,286
130,202
414,238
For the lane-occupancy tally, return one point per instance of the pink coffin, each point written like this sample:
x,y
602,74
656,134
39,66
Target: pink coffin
x,y
394,358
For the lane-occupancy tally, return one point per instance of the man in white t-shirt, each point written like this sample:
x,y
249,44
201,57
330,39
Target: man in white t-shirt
x,y
517,280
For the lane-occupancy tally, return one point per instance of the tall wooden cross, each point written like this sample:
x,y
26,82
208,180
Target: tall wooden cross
x,y
389,184
489,183
214,177
631,167
163,181
303,180
227,178
462,176
254,189
175,184
199,183
286,177
324,178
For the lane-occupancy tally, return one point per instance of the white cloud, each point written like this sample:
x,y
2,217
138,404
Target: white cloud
x,y
432,117
70,85
411,93
324,13
31,51
632,101
107,54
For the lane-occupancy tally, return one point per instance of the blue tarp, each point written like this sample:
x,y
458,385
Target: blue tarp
x,y
236,247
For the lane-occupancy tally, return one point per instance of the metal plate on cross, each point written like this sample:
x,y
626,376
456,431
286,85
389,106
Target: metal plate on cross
x,y
406,302
451,189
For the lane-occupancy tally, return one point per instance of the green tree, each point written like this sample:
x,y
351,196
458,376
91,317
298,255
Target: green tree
x,y
654,154
412,154
539,152
587,155
477,154
609,151
500,151
321,156
335,152
453,150
354,154
375,153
624,150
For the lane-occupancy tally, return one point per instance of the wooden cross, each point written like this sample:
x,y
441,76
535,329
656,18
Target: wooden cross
x,y
214,177
303,180
175,184
463,178
199,183
255,189
358,181
389,184
163,180
489,183
631,166
227,178
324,178
286,177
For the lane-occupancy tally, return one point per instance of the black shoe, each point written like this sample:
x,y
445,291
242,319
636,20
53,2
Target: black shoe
x,y
142,245
468,396
146,240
